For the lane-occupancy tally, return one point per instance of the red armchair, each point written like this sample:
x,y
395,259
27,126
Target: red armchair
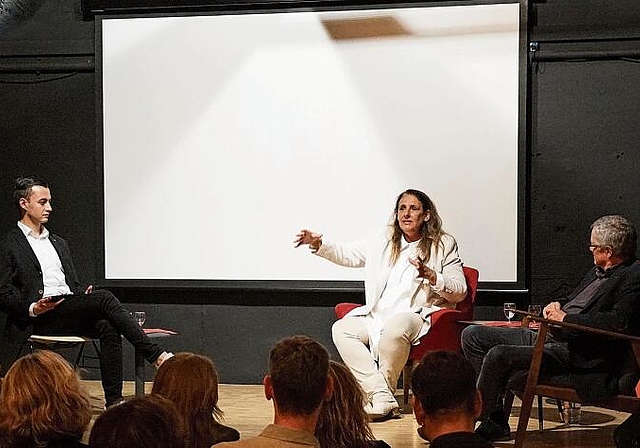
x,y
445,330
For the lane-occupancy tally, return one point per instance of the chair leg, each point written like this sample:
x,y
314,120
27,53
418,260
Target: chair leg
x,y
508,403
540,414
406,381
79,357
529,390
560,405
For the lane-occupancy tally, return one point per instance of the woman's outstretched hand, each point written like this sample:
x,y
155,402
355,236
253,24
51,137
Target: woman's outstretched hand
x,y
313,239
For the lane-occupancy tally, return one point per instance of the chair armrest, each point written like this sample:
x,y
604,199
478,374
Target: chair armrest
x,y
577,327
342,309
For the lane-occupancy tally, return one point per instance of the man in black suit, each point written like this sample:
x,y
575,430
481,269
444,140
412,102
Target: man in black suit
x,y
40,290
607,298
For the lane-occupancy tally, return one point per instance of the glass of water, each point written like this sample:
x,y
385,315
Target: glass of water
x,y
535,309
509,308
140,317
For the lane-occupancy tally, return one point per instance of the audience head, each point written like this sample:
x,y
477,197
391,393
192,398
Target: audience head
x,y
617,233
41,401
190,381
343,421
151,421
444,386
298,376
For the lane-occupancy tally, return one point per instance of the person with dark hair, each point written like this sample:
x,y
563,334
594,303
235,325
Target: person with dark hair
x,y
151,421
40,292
343,421
411,269
607,298
42,403
298,382
447,402
190,381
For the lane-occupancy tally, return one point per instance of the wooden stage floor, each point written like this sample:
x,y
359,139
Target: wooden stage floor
x,y
246,409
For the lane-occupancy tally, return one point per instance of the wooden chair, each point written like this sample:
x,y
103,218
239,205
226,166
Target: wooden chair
x,y
537,386
445,330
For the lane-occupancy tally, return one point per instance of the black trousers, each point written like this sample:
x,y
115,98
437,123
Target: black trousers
x,y
498,353
99,315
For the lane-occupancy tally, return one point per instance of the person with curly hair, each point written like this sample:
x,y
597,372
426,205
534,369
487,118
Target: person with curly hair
x,y
42,403
343,422
190,381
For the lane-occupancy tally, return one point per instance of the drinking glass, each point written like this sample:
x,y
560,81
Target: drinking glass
x,y
509,309
140,317
535,309
571,413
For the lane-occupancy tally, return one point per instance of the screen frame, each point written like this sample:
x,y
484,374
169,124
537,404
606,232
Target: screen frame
x,y
522,282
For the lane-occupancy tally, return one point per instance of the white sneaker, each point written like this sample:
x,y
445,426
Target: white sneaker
x,y
162,358
382,406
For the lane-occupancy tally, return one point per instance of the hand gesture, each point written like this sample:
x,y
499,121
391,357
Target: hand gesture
x,y
424,271
313,239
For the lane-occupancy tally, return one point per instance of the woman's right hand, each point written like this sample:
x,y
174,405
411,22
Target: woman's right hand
x,y
313,239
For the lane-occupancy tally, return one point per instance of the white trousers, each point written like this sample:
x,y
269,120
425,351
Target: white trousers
x,y
351,338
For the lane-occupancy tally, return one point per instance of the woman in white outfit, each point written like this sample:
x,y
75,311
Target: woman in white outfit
x,y
412,269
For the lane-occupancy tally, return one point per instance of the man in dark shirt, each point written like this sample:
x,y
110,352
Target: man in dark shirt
x,y
447,402
607,298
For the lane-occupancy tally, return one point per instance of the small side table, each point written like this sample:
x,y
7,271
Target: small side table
x,y
493,323
152,333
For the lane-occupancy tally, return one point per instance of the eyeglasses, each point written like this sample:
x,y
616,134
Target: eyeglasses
x,y
596,246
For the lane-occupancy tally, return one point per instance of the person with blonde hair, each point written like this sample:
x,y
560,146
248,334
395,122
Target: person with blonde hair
x,y
42,403
190,381
343,422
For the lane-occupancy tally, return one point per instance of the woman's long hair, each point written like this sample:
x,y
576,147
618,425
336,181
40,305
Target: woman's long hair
x,y
190,381
42,401
431,231
343,422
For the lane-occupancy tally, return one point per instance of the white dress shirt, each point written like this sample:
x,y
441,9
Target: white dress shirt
x,y
52,273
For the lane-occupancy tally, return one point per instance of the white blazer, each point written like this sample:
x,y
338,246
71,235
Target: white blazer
x,y
373,253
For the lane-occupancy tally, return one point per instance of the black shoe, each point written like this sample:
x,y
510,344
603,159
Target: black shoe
x,y
493,432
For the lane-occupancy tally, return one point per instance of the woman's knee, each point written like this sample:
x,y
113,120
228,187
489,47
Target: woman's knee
x,y
349,328
402,326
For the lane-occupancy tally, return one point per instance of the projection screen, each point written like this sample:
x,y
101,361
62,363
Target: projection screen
x,y
223,135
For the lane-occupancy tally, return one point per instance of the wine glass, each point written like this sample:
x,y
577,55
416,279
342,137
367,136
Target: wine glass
x,y
140,317
509,308
535,309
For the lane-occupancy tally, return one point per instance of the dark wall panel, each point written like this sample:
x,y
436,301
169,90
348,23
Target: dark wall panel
x,y
584,164
48,129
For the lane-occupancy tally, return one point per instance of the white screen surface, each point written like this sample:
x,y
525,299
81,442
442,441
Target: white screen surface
x,y
224,135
